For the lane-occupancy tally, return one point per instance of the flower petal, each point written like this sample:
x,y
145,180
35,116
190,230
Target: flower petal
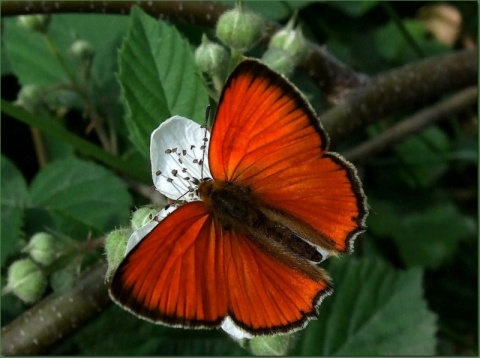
x,y
176,154
139,234
233,330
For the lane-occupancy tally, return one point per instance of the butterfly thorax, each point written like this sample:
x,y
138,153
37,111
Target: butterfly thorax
x,y
236,208
233,206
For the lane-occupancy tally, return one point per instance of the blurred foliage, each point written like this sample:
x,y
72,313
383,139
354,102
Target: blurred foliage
x,y
411,287
173,85
376,311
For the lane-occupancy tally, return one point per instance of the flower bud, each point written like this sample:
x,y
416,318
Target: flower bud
x,y
42,248
240,29
34,22
26,280
272,345
143,216
62,280
292,41
279,60
82,50
115,246
30,97
211,57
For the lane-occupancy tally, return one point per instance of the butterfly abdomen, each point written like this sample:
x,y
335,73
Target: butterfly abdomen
x,y
236,208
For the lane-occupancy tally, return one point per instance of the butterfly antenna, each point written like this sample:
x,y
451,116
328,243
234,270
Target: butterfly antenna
x,y
175,201
207,119
207,116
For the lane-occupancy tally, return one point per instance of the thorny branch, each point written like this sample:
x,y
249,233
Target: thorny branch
x,y
37,330
442,110
399,89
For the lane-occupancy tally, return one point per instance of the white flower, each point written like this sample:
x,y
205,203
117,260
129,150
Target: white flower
x,y
139,234
178,154
178,148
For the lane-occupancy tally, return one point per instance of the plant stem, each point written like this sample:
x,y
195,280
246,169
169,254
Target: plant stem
x,y
57,316
39,147
96,120
51,45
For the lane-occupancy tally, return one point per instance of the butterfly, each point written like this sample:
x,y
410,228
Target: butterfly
x,y
276,204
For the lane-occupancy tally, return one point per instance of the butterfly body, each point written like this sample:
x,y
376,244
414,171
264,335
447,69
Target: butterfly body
x,y
237,208
277,203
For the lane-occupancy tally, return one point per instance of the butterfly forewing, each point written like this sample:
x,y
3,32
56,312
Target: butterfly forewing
x,y
175,274
267,137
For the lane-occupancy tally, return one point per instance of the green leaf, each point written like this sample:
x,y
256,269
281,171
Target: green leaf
x,y
392,45
353,8
278,345
5,68
14,200
429,238
374,310
34,62
276,10
131,166
79,197
383,220
456,281
105,33
423,157
29,55
158,77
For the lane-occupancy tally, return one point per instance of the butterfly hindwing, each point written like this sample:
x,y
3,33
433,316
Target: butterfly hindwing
x,y
269,294
190,272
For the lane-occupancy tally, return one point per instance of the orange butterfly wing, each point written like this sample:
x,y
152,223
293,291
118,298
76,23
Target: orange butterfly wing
x,y
265,294
189,272
175,274
267,137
